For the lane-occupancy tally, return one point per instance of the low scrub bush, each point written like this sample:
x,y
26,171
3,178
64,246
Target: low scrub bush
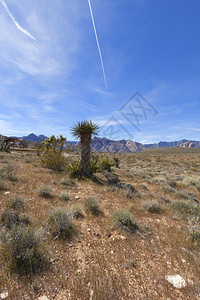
x,y
125,220
152,207
45,191
188,210
92,206
16,203
2,185
76,212
195,234
112,179
64,197
60,224
67,182
11,218
22,249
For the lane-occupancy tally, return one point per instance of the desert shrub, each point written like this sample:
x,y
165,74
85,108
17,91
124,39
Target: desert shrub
x,y
10,173
105,164
16,203
53,160
67,182
128,189
144,187
22,248
187,209
9,218
125,220
64,196
111,178
168,189
172,183
187,196
4,161
52,156
2,186
195,234
92,206
60,224
45,191
164,200
191,181
75,169
152,207
76,212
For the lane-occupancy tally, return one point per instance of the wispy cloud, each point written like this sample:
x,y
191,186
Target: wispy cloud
x,y
24,31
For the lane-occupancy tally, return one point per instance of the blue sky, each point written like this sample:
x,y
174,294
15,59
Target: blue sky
x,y
51,74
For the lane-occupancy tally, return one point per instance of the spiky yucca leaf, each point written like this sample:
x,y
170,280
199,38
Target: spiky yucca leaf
x,y
84,128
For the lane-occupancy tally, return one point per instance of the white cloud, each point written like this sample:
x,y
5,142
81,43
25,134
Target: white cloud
x,y
57,33
24,31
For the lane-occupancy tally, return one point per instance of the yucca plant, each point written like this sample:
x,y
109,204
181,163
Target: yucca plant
x,y
84,130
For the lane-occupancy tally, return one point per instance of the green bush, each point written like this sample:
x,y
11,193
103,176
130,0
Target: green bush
x,y
22,248
45,191
75,170
60,224
92,206
125,220
106,164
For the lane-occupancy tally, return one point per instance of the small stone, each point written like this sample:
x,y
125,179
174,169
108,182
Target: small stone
x,y
43,298
77,197
126,266
4,295
176,280
6,193
88,229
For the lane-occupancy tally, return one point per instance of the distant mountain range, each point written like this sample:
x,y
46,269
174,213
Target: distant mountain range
x,y
122,146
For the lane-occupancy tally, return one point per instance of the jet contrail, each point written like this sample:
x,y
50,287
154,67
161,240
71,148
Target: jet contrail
x,y
16,23
99,49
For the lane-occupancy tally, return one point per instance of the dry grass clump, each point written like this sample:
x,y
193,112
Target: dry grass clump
x,y
125,220
16,203
152,206
92,206
45,191
60,224
76,211
21,247
65,197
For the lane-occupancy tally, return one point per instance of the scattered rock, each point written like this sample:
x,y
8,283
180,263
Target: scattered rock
x,y
3,295
43,298
176,280
6,193
77,197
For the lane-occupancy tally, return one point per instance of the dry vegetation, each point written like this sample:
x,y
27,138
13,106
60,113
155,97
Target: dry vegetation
x,y
115,236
